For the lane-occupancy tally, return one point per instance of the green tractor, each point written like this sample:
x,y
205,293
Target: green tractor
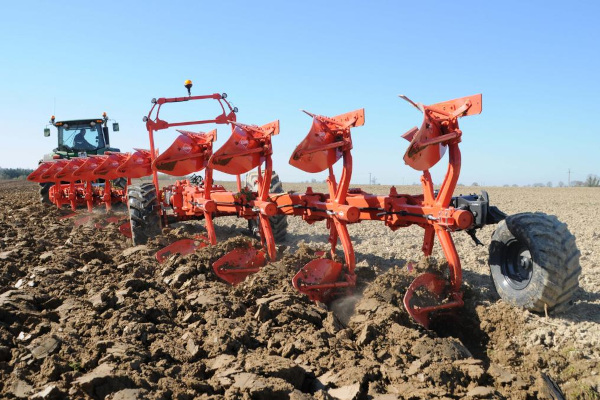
x,y
78,138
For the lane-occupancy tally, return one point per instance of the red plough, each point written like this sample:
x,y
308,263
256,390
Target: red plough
x,y
86,182
328,141
248,147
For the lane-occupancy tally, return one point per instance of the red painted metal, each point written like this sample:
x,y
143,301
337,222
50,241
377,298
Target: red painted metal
x,y
107,169
247,148
439,129
125,229
435,291
319,279
154,123
189,153
182,246
328,141
66,173
36,175
137,165
238,264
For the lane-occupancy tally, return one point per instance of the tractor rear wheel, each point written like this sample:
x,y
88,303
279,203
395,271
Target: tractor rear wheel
x,y
45,192
143,212
534,262
279,223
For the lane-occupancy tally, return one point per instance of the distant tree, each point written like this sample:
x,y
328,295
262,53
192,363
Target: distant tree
x,y
14,173
505,185
561,184
313,180
538,184
592,181
515,185
549,184
577,183
475,184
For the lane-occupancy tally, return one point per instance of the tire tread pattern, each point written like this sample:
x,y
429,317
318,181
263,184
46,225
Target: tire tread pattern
x,y
555,256
143,212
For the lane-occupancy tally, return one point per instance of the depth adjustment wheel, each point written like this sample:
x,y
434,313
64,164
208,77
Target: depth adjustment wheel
x,y
534,262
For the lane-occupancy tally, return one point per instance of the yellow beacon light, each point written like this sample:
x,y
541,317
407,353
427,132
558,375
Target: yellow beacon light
x,y
188,86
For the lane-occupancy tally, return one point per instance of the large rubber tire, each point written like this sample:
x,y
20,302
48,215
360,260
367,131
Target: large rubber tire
x,y
143,212
534,262
120,183
279,223
45,192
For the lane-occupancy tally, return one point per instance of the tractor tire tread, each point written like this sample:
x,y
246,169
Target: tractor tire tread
x,y
556,268
144,219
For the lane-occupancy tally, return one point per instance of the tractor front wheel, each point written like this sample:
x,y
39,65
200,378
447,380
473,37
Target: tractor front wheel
x,y
45,192
143,212
534,262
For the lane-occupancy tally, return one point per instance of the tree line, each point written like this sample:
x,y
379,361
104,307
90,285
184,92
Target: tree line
x,y
14,173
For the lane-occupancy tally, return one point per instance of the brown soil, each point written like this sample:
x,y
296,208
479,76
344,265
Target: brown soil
x,y
85,315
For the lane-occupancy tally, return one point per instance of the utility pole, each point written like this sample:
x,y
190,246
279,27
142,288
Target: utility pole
x,y
569,182
370,178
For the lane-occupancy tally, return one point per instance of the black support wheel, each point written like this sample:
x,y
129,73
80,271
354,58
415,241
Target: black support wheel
x,y
534,262
45,192
279,223
143,212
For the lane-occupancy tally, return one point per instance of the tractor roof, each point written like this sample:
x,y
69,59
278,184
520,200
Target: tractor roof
x,y
80,121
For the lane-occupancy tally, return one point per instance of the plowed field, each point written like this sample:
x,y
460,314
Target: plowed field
x,y
85,315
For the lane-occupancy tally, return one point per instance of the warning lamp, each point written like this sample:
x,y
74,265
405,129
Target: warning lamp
x,y
188,86
52,119
104,114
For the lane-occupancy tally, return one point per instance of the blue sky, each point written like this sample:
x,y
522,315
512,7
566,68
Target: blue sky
x,y
536,64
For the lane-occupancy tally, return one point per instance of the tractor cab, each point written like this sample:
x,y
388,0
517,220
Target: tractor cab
x,y
80,138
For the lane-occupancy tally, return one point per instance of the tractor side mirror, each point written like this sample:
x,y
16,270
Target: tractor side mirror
x,y
115,127
46,132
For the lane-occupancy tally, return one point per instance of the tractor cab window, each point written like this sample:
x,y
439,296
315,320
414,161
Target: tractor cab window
x,y
83,138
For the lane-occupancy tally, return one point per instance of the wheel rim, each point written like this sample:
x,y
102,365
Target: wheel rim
x,y
517,266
